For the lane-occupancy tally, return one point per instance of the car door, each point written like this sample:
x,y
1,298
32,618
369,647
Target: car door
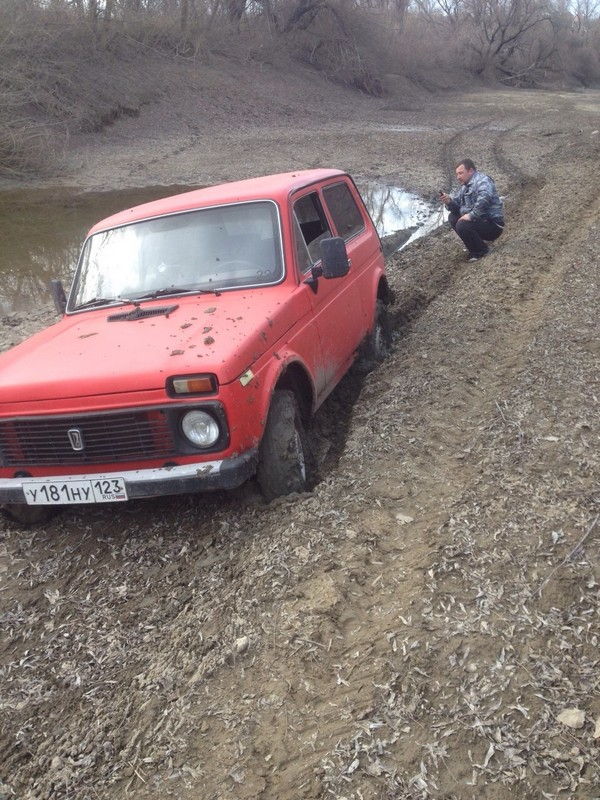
x,y
352,222
336,302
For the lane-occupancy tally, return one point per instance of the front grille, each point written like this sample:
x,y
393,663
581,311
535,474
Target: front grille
x,y
106,438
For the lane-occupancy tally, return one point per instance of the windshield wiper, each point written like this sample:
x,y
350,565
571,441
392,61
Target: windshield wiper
x,y
171,290
96,302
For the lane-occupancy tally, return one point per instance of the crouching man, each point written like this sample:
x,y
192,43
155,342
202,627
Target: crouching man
x,y
476,211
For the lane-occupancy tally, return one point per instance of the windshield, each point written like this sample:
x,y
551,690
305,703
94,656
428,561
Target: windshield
x,y
211,249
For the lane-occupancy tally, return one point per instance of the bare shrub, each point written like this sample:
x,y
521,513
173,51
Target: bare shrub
x,y
584,64
24,145
431,54
58,75
162,33
343,41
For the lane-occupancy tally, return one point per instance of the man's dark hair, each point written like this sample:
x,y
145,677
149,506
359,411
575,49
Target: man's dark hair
x,y
467,163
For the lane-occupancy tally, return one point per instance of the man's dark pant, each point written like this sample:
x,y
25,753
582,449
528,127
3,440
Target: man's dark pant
x,y
475,234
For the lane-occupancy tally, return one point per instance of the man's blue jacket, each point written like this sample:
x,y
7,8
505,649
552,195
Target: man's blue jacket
x,y
479,198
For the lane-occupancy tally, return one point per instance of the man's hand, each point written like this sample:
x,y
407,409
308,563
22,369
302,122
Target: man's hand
x,y
464,218
445,198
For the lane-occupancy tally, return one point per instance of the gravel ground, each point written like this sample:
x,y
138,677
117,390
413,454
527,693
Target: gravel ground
x,y
425,623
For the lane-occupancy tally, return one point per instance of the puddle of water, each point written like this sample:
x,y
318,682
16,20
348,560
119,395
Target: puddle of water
x,y
400,216
41,231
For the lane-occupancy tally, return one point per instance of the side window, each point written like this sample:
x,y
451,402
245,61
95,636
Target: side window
x,y
303,258
344,211
313,223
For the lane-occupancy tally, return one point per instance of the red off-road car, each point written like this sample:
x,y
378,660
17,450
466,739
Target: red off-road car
x,y
200,333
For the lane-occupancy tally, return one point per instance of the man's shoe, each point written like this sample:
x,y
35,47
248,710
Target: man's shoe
x,y
477,256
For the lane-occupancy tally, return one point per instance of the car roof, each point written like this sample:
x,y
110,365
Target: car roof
x,y
269,187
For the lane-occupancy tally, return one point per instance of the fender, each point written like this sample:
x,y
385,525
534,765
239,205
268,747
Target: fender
x,y
380,291
276,373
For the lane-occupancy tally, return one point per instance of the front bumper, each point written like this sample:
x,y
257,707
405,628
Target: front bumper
x,y
202,477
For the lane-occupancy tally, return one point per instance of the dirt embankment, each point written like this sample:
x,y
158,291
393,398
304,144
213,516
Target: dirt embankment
x,y
416,626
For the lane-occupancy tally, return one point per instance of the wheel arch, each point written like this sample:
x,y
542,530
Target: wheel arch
x,y
286,370
381,292
384,292
295,377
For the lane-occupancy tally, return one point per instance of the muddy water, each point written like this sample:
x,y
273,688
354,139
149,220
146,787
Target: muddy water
x,y
41,230
400,216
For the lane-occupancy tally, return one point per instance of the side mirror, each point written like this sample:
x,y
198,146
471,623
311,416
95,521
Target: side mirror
x,y
58,295
334,257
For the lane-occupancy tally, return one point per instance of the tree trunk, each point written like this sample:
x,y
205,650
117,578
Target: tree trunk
x,y
184,16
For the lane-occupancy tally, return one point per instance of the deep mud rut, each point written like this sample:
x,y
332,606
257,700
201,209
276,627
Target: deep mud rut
x,y
414,627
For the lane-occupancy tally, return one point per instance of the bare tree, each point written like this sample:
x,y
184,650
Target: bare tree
x,y
585,12
303,14
499,29
440,12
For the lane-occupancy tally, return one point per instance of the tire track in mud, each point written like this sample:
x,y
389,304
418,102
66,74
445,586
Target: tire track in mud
x,y
448,156
333,421
544,279
506,164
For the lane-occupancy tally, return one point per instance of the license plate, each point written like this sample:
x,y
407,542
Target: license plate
x,y
58,493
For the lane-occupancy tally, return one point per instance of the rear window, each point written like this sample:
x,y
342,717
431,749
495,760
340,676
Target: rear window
x,y
344,211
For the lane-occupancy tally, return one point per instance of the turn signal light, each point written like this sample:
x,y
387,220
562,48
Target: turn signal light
x,y
192,384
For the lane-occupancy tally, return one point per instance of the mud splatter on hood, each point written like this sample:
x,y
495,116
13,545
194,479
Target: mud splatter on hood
x,y
85,354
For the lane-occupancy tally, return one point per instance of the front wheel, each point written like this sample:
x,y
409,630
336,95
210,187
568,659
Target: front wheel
x,y
286,462
29,515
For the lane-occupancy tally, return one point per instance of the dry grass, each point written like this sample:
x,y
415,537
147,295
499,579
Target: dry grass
x,y
57,78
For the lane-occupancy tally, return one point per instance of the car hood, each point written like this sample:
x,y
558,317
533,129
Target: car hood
x,y
86,354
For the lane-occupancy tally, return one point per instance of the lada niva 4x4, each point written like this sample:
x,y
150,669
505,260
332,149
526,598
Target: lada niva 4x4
x,y
200,333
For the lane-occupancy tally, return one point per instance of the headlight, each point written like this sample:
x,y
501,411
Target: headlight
x,y
200,428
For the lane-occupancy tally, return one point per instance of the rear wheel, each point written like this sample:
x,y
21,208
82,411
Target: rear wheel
x,y
377,345
286,462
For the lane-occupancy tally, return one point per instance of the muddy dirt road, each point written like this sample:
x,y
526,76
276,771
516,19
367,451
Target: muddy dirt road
x,y
418,625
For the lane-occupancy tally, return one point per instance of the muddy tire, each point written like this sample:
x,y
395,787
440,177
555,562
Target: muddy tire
x,y
286,462
29,515
376,347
